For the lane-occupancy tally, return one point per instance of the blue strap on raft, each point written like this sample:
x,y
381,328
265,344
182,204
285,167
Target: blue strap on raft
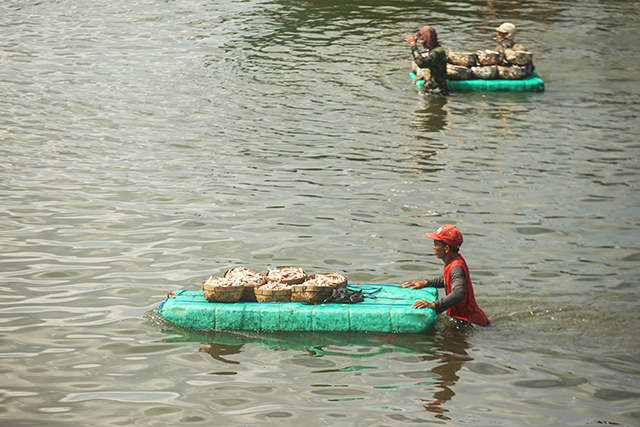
x,y
390,310
531,83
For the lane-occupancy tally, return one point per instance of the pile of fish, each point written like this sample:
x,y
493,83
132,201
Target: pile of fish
x,y
488,65
253,286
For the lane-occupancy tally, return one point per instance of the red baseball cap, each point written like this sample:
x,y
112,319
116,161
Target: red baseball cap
x,y
448,234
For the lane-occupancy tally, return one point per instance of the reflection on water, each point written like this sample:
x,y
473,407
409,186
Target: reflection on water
x,y
443,352
308,344
217,351
451,355
432,114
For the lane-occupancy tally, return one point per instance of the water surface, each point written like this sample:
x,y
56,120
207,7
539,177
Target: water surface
x,y
148,145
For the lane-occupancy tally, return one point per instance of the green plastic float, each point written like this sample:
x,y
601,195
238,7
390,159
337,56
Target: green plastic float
x,y
386,308
531,83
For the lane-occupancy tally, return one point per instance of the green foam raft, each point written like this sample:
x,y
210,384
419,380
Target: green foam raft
x,y
386,308
531,83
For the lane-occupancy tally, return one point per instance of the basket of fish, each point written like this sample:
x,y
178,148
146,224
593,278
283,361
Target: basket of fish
x,y
464,59
485,73
489,57
512,73
335,280
222,290
273,292
251,279
310,294
517,57
458,72
286,275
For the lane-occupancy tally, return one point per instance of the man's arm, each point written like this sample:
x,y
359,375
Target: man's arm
x,y
458,286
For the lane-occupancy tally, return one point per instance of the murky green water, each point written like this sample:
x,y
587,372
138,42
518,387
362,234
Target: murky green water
x,y
147,145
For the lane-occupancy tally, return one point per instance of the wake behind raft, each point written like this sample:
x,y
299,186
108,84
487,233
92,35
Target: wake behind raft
x,y
385,308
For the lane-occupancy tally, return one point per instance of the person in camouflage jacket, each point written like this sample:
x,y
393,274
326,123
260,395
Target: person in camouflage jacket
x,y
435,59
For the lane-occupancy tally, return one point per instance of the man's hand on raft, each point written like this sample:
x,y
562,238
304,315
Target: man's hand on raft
x,y
415,284
424,304
419,284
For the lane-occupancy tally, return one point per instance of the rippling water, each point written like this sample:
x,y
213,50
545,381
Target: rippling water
x,y
148,145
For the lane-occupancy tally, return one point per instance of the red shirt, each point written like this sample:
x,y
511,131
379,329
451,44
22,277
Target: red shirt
x,y
467,309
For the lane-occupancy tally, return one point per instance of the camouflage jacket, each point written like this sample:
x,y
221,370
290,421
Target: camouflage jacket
x,y
436,62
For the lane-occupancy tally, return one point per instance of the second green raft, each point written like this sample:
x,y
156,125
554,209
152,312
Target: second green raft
x,y
531,83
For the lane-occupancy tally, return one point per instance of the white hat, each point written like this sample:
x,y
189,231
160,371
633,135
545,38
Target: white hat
x,y
507,27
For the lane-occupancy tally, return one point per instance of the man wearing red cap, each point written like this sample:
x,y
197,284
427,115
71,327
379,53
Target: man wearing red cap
x,y
460,301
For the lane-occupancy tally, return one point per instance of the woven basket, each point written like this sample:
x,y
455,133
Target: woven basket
x,y
458,72
485,73
489,57
310,293
261,279
518,57
512,73
287,282
222,293
341,284
248,295
273,295
464,59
